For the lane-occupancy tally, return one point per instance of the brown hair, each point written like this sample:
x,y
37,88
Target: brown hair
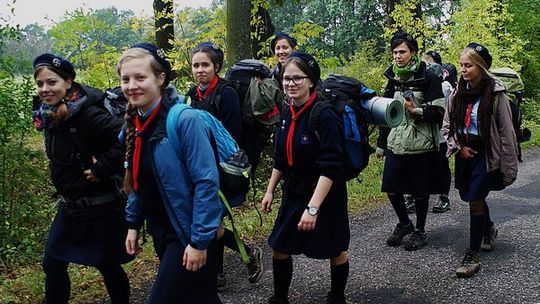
x,y
303,66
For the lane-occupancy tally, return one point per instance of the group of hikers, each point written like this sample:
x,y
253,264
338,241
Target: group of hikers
x,y
114,174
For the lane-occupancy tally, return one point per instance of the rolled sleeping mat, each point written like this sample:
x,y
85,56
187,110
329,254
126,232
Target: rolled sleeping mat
x,y
382,111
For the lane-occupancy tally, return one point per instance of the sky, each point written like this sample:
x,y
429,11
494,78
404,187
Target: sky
x,y
40,11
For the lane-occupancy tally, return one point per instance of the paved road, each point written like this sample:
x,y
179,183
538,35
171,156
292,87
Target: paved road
x,y
380,274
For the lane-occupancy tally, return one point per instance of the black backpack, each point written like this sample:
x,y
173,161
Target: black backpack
x,y
115,102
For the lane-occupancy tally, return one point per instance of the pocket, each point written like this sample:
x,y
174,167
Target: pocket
x,y
61,151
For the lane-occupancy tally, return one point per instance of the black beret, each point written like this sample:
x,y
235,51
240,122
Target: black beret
x,y
311,63
282,35
411,42
436,57
159,55
215,49
483,52
56,62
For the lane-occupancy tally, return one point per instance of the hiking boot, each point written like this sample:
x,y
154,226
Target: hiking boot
x,y
410,204
416,241
335,299
469,265
255,265
399,233
221,282
274,300
489,238
443,204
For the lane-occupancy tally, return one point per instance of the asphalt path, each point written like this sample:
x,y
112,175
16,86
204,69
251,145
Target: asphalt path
x,y
382,274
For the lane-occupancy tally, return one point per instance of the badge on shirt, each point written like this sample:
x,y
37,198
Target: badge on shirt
x,y
304,139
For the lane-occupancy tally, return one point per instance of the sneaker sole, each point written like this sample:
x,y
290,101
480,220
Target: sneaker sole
x,y
440,210
468,275
408,247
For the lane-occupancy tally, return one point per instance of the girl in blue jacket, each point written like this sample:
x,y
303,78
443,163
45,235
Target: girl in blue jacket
x,y
177,197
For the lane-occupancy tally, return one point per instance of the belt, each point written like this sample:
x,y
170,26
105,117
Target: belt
x,y
87,201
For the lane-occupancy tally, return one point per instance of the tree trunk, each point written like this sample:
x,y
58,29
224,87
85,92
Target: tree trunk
x,y
263,30
164,15
390,6
238,30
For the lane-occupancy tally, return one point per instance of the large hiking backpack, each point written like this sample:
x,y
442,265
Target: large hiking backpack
x,y
514,91
260,101
344,95
115,102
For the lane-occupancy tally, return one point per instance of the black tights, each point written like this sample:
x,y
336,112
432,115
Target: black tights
x,y
422,206
58,285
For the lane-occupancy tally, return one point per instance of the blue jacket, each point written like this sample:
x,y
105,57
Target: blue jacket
x,y
188,187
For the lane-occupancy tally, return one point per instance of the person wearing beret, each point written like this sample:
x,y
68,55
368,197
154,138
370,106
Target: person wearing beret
x,y
176,193
412,163
282,45
85,160
219,98
479,131
312,218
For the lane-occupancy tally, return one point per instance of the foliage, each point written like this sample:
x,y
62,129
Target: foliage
x,y
368,66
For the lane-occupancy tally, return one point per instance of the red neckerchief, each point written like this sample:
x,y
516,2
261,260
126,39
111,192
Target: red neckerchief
x,y
295,117
209,90
468,119
138,143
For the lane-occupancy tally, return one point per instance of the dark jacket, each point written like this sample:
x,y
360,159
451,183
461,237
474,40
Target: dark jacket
x,y
224,104
91,131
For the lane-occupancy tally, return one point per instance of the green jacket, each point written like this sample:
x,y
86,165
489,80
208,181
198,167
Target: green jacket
x,y
418,133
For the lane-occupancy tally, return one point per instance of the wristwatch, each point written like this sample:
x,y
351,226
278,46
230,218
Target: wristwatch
x,y
312,210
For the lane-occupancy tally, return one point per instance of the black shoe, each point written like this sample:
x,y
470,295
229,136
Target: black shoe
x,y
274,300
255,265
399,233
221,282
334,299
489,238
416,241
469,265
410,204
443,204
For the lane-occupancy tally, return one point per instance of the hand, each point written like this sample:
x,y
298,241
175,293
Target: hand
x,y
132,242
307,222
379,152
467,152
90,175
267,202
194,259
410,106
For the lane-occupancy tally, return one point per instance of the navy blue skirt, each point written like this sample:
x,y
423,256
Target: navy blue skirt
x,y
91,242
472,179
331,235
416,174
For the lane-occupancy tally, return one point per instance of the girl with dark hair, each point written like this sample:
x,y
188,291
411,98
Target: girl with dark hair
x,y
176,193
282,45
412,162
478,128
86,167
215,95
312,218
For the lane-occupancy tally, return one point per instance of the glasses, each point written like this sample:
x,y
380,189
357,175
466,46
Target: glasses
x,y
296,80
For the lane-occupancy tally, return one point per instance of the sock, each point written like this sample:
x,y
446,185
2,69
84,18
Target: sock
x,y
422,206
478,227
398,202
338,279
220,251
283,270
489,223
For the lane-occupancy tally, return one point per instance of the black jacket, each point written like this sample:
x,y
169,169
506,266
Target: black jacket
x,y
91,131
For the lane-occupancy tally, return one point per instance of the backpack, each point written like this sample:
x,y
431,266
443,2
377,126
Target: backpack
x,y
344,95
232,163
260,100
115,102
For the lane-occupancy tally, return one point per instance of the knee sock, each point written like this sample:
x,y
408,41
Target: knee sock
x,y
338,279
283,270
57,283
422,206
398,202
478,227
229,241
220,251
116,282
489,223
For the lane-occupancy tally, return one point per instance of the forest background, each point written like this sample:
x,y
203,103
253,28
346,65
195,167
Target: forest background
x,y
348,37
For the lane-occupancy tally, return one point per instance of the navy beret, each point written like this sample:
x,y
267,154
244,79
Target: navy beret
x,y
213,48
483,52
56,62
159,55
409,39
436,57
282,35
311,63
